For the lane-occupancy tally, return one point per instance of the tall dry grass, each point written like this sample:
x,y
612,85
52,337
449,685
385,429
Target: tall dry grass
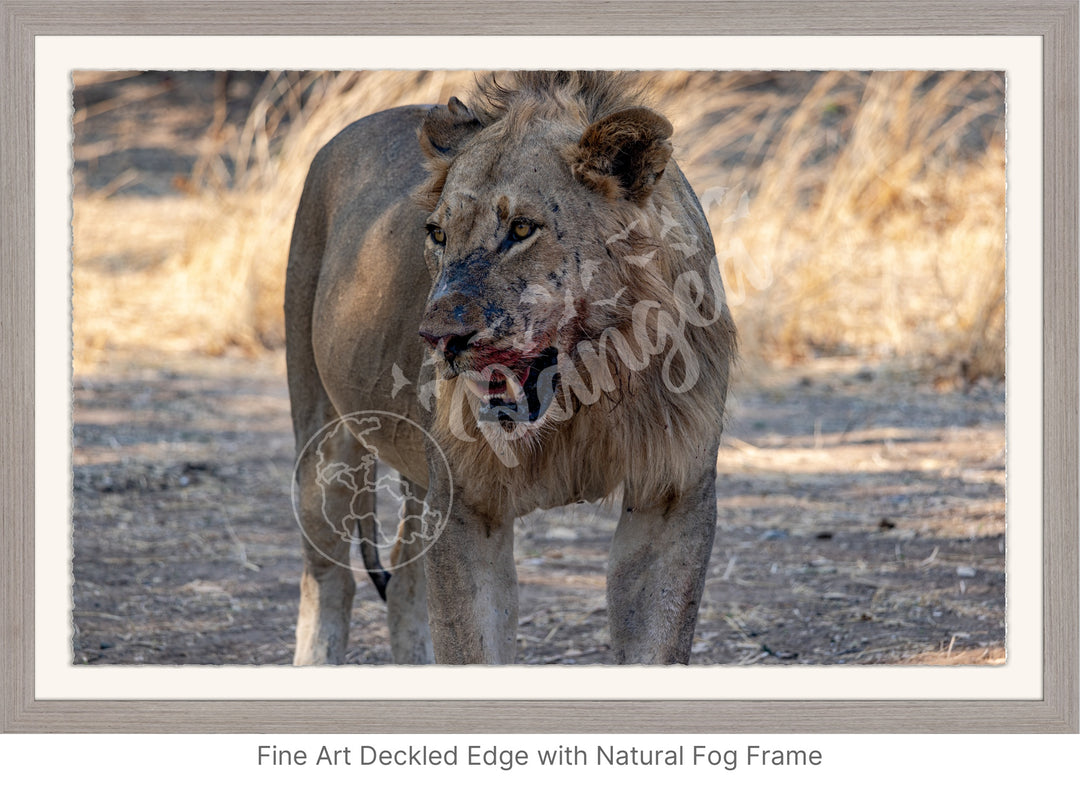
x,y
869,219
852,213
204,270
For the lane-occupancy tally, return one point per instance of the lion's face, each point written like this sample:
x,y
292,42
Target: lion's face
x,y
520,255
504,241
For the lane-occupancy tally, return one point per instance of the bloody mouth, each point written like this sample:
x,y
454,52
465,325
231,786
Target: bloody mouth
x,y
518,392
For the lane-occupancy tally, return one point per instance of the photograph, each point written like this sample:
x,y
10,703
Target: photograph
x,y
539,367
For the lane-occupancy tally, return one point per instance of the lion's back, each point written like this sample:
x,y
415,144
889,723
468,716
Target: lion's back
x,y
369,166
356,279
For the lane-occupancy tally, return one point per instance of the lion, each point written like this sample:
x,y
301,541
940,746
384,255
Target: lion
x,y
530,279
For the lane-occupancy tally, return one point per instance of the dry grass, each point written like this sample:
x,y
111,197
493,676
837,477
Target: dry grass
x,y
859,221
852,213
212,266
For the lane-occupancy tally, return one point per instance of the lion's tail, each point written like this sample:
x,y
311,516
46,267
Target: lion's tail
x,y
370,553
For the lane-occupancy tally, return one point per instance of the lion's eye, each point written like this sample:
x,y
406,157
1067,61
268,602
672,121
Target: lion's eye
x,y
520,229
438,235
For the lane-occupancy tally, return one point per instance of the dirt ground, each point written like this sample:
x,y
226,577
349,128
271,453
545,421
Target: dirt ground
x,y
861,507
862,520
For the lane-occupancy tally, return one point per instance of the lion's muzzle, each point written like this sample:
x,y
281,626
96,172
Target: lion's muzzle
x,y
510,385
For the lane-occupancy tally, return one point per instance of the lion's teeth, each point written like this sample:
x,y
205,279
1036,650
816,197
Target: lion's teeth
x,y
515,389
477,388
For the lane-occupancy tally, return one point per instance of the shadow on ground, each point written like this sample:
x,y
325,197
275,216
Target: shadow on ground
x,y
861,514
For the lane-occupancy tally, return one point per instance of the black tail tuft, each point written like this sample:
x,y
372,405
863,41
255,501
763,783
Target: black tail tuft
x,y
379,576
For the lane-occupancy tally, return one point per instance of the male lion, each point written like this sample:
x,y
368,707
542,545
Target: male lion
x,y
545,264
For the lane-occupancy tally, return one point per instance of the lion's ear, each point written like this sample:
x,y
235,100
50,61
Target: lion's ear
x,y
447,129
624,154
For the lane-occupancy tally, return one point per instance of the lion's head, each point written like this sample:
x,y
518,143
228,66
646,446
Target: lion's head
x,y
556,239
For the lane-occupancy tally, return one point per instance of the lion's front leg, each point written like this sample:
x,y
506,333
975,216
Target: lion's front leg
x,y
656,573
406,593
472,588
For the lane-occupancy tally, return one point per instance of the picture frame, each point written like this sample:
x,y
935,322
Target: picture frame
x,y
1054,21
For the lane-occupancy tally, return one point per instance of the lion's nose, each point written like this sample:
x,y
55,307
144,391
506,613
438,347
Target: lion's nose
x,y
450,345
450,321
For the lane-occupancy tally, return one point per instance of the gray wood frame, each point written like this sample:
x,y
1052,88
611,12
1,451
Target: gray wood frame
x,y
1054,20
